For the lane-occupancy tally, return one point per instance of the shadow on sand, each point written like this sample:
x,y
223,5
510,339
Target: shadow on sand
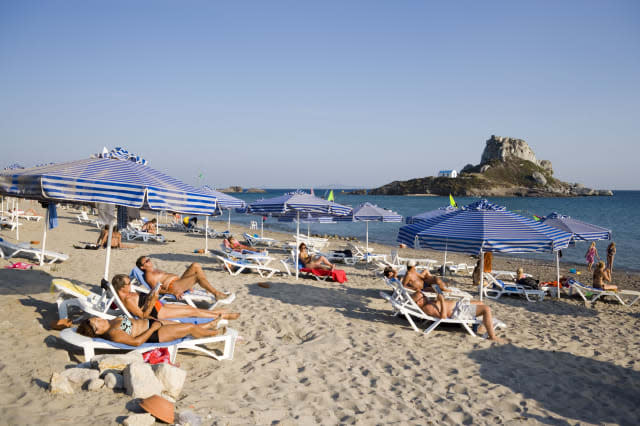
x,y
572,386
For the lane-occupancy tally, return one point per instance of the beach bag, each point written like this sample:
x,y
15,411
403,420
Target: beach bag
x,y
157,356
528,282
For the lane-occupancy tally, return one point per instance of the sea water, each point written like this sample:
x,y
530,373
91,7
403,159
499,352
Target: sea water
x,y
619,213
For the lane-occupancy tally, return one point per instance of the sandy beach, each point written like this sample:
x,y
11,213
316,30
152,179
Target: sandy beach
x,y
317,352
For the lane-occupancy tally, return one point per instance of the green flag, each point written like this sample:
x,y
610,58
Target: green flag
x,y
330,198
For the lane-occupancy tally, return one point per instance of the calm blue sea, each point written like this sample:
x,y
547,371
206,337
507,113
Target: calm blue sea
x,y
618,213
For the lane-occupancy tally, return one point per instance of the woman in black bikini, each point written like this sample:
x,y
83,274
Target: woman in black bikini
x,y
134,332
148,305
314,262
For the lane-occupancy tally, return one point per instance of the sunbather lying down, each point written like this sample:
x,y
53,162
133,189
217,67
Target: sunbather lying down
x,y
134,332
148,305
103,238
460,309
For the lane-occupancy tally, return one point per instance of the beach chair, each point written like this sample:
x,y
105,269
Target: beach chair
x,y
89,345
586,292
403,304
497,288
257,241
9,249
507,274
396,260
190,297
131,233
289,264
237,266
361,253
312,243
74,296
453,293
9,222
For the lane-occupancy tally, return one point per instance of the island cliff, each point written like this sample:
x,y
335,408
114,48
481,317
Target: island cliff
x,y
508,167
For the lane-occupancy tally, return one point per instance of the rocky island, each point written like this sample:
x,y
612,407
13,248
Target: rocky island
x,y
508,168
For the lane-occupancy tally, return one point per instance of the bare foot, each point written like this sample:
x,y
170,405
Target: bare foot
x,y
212,325
230,315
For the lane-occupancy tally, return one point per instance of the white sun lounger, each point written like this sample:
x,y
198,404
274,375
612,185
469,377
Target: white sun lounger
x,y
403,304
498,288
361,253
9,249
256,241
235,267
132,233
93,304
89,345
582,290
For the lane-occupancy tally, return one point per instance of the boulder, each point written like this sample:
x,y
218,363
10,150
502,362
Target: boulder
x,y
114,380
145,419
172,378
60,384
139,380
188,417
501,148
95,384
484,168
80,376
539,178
547,166
116,362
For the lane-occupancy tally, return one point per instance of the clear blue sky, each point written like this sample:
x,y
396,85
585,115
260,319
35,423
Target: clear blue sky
x,y
295,94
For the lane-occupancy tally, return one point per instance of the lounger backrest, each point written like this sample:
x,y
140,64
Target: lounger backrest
x,y
139,276
108,287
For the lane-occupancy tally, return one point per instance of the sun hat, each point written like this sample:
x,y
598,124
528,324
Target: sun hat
x,y
411,263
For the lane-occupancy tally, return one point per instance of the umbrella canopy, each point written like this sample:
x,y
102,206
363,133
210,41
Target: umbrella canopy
x,y
298,203
482,226
368,212
581,231
106,180
225,201
109,181
429,214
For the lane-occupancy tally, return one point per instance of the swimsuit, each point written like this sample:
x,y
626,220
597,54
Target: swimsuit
x,y
142,299
127,327
464,310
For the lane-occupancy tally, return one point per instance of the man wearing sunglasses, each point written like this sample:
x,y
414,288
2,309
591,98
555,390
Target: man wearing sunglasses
x,y
173,284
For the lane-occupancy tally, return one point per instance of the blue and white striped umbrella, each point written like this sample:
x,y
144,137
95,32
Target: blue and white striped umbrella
x,y
225,201
368,212
298,203
106,180
581,231
481,227
429,215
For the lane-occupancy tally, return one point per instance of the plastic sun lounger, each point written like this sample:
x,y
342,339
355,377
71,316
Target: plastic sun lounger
x,y
509,274
8,250
98,305
403,304
499,288
89,345
235,267
190,297
255,241
583,290
361,253
136,234
454,293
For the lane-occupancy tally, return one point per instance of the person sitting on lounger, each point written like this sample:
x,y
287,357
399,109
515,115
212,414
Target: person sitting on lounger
x,y
173,284
190,221
150,226
148,305
421,281
460,309
237,246
600,275
134,332
116,240
390,272
313,262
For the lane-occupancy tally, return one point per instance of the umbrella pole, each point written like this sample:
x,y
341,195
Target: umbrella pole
x,y
558,273
206,234
367,235
15,216
157,221
108,257
44,238
261,226
297,244
481,273
309,230
229,222
444,264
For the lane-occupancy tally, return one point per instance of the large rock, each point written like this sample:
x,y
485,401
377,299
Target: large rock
x,y
172,379
114,380
80,376
60,384
539,178
116,362
503,148
140,382
95,384
145,419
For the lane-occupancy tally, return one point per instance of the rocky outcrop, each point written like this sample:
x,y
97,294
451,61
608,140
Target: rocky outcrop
x,y
508,168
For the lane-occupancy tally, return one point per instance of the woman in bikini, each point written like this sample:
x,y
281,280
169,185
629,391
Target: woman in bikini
x,y
600,275
148,305
134,332
611,253
313,262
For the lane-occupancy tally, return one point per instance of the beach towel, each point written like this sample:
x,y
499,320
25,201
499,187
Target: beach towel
x,y
338,275
53,215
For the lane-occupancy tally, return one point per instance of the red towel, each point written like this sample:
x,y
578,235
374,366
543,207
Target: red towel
x,y
338,275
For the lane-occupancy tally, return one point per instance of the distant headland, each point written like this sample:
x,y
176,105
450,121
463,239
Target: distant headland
x,y
508,168
235,189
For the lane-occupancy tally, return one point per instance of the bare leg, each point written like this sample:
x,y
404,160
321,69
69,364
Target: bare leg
x,y
194,274
170,332
487,321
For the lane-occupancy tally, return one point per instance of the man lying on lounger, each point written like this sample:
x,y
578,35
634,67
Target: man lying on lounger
x,y
173,284
421,281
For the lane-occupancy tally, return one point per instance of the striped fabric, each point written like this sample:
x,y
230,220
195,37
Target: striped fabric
x,y
298,201
225,201
581,231
105,180
483,226
429,215
292,216
119,153
368,212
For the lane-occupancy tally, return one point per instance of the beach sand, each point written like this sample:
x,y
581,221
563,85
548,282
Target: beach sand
x,y
319,352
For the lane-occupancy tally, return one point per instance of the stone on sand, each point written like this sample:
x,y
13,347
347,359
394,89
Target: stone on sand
x,y
60,384
145,419
114,380
172,378
139,380
80,376
117,362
